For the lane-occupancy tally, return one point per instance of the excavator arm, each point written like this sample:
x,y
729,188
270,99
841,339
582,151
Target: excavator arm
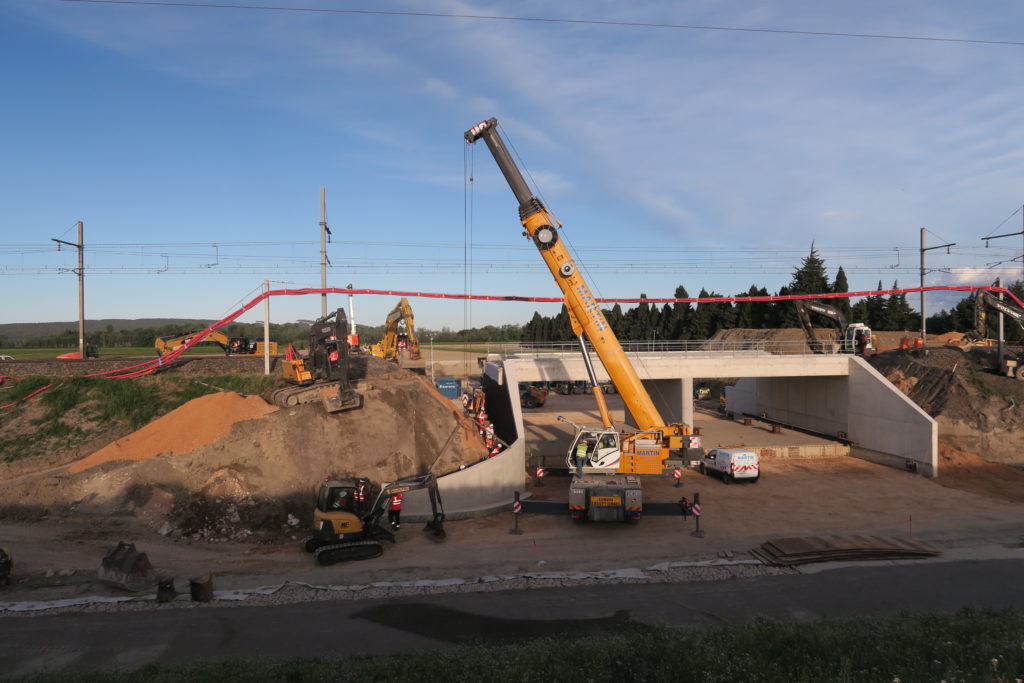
x,y
167,344
804,307
435,527
985,300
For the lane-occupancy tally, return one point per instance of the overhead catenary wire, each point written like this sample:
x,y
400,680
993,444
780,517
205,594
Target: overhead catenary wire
x,y
558,20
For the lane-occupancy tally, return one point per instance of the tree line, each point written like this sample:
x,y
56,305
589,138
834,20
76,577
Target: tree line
x,y
680,321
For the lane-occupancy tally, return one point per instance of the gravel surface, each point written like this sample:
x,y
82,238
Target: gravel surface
x,y
294,592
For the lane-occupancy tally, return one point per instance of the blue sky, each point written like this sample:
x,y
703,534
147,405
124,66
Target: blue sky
x,y
192,142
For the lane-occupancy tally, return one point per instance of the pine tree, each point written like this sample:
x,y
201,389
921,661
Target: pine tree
x,y
680,312
875,308
841,286
810,277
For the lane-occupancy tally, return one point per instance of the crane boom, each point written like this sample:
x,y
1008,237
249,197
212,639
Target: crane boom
x,y
540,227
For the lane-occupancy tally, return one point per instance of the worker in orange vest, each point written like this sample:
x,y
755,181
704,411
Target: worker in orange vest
x,y
395,511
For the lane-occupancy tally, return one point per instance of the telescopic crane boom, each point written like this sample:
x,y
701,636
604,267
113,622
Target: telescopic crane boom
x,y
602,453
540,228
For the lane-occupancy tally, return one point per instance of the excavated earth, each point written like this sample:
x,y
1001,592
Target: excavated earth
x,y
226,466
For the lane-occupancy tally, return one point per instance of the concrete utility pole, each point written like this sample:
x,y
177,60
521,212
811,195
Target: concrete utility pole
x,y
324,232
999,353
266,328
80,245
352,313
923,249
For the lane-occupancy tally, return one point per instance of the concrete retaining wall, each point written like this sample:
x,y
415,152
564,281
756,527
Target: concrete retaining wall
x,y
490,485
862,407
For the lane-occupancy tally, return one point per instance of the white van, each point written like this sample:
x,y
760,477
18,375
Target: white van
x,y
732,464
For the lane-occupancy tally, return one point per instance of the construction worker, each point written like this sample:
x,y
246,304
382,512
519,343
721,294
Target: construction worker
x,y
684,507
395,511
581,453
359,495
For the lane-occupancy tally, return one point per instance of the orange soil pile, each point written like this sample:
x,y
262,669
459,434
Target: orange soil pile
x,y
199,422
960,469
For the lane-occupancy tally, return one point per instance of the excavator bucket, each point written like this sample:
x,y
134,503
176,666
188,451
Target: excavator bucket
x,y
339,400
435,530
126,568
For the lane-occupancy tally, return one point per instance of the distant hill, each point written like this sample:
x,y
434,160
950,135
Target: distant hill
x,y
16,331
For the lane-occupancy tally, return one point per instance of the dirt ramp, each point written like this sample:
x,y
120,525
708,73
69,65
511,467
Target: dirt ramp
x,y
201,421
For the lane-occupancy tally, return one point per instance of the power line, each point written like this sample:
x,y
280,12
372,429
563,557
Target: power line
x,y
552,20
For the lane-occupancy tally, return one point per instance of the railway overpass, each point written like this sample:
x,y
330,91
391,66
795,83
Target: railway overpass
x,y
836,395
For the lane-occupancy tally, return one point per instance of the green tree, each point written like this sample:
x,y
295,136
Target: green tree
x,y
676,324
841,286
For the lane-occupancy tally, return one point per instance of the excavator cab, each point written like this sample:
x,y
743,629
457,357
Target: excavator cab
x,y
346,530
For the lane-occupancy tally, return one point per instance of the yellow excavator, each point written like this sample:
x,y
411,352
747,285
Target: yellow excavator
x,y
343,532
388,347
605,461
231,345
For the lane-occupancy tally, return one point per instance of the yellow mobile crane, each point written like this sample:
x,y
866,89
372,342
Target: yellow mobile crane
x,y
387,347
605,462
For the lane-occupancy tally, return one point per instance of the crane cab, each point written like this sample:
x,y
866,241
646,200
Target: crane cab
x,y
595,450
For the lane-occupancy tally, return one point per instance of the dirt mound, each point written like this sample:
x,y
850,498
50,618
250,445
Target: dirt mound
x,y
960,469
197,423
781,340
226,466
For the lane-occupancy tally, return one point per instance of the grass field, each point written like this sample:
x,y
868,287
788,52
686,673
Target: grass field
x,y
130,351
476,348
970,645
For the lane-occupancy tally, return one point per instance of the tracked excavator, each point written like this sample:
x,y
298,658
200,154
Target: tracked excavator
x,y
387,348
343,532
845,332
231,345
323,374
606,462
983,301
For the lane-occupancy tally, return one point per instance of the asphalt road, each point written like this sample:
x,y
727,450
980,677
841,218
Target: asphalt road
x,y
173,635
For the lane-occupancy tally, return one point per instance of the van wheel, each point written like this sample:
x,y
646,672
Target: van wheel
x,y
702,470
726,478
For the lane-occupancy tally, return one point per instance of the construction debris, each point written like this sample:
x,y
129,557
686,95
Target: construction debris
x,y
788,552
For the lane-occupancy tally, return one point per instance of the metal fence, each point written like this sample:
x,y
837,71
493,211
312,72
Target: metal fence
x,y
695,348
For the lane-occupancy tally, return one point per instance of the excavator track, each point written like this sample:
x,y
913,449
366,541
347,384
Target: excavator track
x,y
347,552
290,396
